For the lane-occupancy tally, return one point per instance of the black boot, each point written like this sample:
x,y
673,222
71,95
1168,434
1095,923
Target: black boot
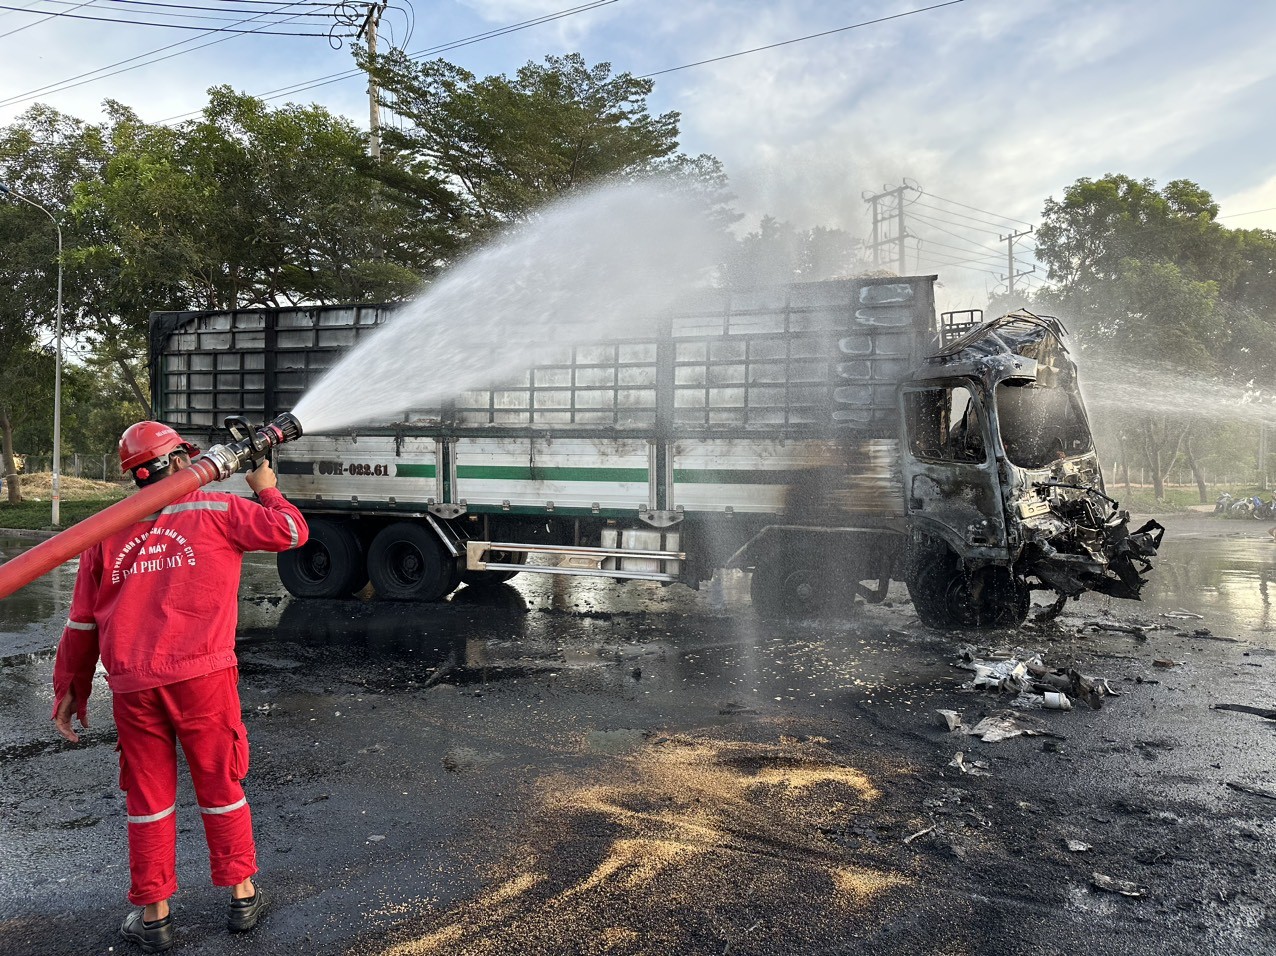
x,y
242,915
153,937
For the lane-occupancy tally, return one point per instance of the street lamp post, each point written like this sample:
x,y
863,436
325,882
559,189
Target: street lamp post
x,y
57,365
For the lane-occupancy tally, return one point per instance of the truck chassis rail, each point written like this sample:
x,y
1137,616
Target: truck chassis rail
x,y
476,550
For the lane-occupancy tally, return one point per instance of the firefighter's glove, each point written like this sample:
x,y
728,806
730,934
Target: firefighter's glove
x,y
62,717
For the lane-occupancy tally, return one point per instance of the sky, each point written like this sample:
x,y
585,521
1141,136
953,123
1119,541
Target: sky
x,y
983,108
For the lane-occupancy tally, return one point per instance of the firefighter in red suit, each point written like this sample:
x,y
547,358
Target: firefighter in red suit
x,y
157,603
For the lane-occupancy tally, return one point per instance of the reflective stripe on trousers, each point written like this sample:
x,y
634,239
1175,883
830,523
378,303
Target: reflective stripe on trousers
x,y
202,714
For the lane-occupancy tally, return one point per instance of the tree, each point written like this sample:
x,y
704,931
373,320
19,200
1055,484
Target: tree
x,y
500,146
42,155
1148,274
26,394
1084,238
778,253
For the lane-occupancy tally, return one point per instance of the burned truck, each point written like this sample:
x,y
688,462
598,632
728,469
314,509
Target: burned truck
x,y
828,437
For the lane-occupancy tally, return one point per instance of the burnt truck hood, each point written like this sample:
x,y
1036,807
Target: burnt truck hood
x,y
1061,526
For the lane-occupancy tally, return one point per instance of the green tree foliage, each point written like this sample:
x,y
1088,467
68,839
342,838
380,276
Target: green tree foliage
x,y
1150,277
251,205
26,399
489,151
42,156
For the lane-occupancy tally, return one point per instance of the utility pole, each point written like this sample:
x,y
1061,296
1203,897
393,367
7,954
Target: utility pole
x,y
1011,272
882,214
56,495
369,27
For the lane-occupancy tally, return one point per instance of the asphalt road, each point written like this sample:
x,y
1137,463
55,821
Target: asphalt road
x,y
564,767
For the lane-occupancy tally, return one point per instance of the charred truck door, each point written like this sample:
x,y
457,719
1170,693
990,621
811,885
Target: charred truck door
x,y
958,572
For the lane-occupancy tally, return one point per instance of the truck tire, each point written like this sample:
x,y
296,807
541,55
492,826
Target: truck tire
x,y
329,565
407,562
786,583
944,595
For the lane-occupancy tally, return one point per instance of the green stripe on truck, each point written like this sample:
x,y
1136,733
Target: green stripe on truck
x,y
523,473
414,471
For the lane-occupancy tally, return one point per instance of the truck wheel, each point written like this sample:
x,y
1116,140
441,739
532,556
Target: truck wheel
x,y
407,563
487,579
329,565
786,585
946,596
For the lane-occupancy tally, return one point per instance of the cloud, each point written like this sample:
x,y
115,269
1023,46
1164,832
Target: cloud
x,y
994,103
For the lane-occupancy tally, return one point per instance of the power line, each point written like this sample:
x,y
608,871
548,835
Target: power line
x,y
991,256
1252,212
948,258
218,4
941,218
209,13
442,48
35,23
935,224
70,83
948,212
977,209
772,46
945,264
173,26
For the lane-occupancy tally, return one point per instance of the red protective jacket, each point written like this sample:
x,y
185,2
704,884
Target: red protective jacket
x,y
158,600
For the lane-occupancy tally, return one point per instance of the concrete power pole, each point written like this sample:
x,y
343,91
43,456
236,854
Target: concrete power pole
x,y
369,27
1011,272
882,217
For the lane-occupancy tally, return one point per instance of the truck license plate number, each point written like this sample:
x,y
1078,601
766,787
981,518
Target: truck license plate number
x,y
354,469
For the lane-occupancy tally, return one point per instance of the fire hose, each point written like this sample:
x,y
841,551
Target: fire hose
x,y
250,446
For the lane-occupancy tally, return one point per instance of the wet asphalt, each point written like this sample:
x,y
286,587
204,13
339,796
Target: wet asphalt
x,y
568,767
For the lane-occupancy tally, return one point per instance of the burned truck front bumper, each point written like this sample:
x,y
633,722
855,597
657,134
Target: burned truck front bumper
x,y
1110,559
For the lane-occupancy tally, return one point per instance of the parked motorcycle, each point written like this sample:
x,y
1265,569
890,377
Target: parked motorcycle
x,y
1223,503
1241,508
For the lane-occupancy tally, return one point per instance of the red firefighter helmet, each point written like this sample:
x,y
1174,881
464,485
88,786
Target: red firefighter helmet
x,y
146,442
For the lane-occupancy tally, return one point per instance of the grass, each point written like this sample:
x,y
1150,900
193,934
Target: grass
x,y
81,498
1179,498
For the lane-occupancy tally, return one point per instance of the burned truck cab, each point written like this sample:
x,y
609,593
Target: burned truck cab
x,y
1003,488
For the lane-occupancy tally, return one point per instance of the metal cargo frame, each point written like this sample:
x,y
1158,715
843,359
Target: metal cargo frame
x,y
757,367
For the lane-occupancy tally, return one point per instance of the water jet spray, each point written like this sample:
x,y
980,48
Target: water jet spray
x,y
249,447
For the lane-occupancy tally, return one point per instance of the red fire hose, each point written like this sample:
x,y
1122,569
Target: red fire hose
x,y
219,462
47,555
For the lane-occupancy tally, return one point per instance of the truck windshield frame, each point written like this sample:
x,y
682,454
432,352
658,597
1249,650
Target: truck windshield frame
x,y
945,424
1025,407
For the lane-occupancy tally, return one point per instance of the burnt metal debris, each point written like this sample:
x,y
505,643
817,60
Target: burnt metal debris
x,y
1033,683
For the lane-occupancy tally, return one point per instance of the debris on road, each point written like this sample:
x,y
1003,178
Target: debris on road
x,y
1165,662
919,833
1252,791
952,719
976,768
1031,680
1137,630
1110,885
1009,724
1077,846
1180,613
1263,712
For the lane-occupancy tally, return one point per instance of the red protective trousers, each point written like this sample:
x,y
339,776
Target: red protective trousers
x,y
203,715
